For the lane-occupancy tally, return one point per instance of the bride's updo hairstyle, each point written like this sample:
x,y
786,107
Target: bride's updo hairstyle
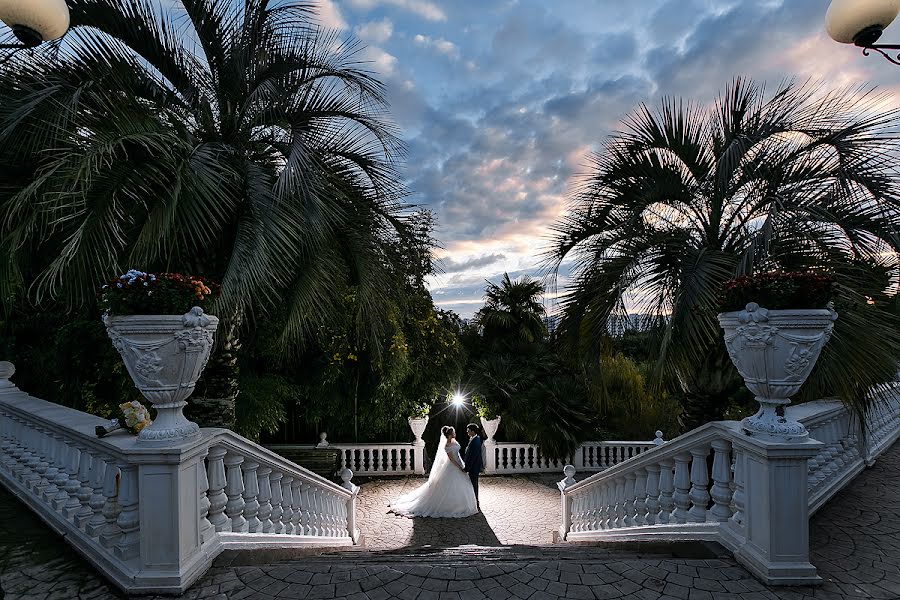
x,y
448,431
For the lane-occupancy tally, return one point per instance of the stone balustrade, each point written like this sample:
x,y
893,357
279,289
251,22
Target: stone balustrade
x,y
716,483
382,459
152,519
509,458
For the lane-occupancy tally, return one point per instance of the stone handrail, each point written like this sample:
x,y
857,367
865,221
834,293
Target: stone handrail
x,y
755,497
152,519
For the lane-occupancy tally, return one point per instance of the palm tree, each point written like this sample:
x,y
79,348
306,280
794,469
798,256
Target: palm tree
x,y
513,311
234,140
689,196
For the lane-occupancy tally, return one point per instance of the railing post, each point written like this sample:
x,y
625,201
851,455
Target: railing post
x,y
346,476
776,509
566,501
490,450
169,484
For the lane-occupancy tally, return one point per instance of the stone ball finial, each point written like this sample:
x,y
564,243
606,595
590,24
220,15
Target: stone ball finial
x,y
323,442
346,476
7,369
569,471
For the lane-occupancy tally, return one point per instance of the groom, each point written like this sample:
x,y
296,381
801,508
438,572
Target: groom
x,y
473,459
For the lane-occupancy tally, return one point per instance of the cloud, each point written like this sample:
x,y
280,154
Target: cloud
x,y
377,32
380,61
450,265
427,10
329,15
439,44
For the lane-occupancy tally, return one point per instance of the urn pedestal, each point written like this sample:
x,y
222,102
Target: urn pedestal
x,y
775,351
164,355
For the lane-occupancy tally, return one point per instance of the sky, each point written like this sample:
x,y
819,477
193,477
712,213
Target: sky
x,y
502,102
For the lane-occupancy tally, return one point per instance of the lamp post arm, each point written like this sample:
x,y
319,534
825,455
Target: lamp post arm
x,y
883,49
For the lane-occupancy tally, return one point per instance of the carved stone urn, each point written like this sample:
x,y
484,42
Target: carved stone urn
x,y
775,351
490,428
165,355
418,424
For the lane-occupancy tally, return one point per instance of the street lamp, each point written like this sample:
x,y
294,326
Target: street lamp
x,y
33,22
861,22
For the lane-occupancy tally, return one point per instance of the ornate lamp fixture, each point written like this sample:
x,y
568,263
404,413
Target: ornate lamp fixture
x,y
861,22
33,22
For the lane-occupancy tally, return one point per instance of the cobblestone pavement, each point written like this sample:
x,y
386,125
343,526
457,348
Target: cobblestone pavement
x,y
515,510
503,554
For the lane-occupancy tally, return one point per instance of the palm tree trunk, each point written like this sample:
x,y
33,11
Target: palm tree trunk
x,y
213,402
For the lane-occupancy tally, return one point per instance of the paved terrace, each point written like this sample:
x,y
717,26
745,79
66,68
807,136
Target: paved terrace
x,y
504,553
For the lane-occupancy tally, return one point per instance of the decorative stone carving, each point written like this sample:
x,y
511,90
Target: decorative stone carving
x,y
775,351
165,355
417,424
490,428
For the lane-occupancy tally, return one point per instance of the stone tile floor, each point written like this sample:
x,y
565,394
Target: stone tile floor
x,y
504,553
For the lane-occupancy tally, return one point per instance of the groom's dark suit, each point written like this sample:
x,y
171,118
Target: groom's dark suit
x,y
474,464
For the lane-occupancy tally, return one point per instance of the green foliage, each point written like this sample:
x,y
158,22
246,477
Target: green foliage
x,y
779,290
513,311
690,196
66,359
138,293
485,408
262,404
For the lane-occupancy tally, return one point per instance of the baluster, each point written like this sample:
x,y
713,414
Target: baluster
x,y
577,504
652,494
62,476
277,510
721,474
595,508
838,448
250,494
315,511
301,507
602,500
73,485
97,500
42,465
305,516
85,491
288,505
52,472
666,491
30,459
206,527
699,494
129,544
620,502
265,498
234,490
738,498
215,473
629,499
110,533
640,497
682,497
331,525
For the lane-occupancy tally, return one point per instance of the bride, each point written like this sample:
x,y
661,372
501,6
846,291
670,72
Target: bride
x,y
448,491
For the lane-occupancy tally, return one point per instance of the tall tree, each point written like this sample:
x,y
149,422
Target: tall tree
x,y
513,311
235,140
689,196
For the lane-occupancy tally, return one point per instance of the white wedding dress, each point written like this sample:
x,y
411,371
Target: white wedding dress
x,y
447,493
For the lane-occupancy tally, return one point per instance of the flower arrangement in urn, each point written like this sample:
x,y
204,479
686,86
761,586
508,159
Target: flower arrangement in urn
x,y
158,323
776,325
139,293
135,417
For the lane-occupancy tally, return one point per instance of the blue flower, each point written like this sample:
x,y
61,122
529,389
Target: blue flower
x,y
118,285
